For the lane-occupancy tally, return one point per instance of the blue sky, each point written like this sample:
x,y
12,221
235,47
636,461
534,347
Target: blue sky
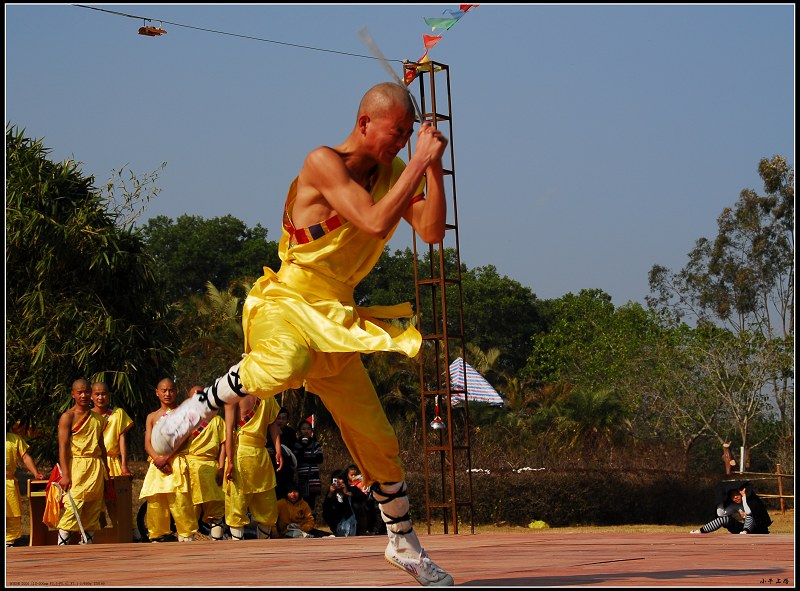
x,y
591,141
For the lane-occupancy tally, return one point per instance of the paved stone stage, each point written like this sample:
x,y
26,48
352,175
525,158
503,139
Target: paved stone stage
x,y
502,560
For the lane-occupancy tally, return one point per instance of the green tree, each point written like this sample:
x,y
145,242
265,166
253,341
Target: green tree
x,y
191,251
500,313
212,338
744,280
80,293
589,342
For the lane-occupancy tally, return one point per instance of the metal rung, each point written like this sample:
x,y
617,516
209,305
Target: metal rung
x,y
437,281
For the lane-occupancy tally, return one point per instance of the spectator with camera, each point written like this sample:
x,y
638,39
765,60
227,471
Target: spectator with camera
x,y
337,509
368,518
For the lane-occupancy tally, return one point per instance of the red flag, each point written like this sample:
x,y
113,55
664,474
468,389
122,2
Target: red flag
x,y
311,420
55,476
53,503
430,40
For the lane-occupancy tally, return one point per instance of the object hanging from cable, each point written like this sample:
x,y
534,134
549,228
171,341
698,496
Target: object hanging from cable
x,y
151,31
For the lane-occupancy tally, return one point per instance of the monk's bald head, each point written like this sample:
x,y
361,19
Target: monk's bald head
x,y
383,97
80,384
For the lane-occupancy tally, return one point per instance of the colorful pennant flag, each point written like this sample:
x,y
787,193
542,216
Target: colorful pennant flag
x,y
430,40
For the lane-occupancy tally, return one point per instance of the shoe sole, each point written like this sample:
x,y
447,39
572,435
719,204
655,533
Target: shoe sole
x,y
446,582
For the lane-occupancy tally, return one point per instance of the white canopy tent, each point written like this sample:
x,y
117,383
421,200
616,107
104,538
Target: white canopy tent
x,y
478,389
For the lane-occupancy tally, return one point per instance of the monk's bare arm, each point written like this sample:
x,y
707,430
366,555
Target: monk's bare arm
x,y
64,453
325,174
428,217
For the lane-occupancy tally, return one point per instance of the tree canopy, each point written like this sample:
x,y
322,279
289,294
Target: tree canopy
x,y
81,297
191,251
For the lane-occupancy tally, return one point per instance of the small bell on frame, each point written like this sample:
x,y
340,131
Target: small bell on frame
x,y
437,422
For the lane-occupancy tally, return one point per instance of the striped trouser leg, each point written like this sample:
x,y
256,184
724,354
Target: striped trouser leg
x,y
715,524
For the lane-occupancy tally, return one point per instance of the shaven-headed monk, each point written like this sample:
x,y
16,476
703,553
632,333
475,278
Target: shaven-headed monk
x,y
83,462
301,324
167,484
118,423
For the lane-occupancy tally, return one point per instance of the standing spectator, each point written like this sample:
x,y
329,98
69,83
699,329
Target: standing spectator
x,y
288,433
166,486
308,452
249,475
286,475
206,458
337,509
16,452
83,463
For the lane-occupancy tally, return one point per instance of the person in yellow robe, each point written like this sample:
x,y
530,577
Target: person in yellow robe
x,y
118,423
249,476
166,485
206,458
84,468
302,326
16,454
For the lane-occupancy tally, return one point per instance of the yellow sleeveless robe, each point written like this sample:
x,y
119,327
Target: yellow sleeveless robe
x,y
202,456
117,423
88,475
302,328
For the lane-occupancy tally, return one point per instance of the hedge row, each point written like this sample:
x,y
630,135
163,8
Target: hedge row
x,y
579,497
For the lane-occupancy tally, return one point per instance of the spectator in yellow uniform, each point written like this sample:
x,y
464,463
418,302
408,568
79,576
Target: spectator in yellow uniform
x,y
206,458
166,485
249,476
16,452
83,463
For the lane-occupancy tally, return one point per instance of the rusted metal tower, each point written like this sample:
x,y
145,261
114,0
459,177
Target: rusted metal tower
x,y
437,275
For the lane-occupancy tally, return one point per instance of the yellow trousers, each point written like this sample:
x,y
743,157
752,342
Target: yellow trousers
x,y
179,505
211,511
89,512
13,529
284,360
263,507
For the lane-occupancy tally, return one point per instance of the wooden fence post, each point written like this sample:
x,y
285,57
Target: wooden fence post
x,y
780,489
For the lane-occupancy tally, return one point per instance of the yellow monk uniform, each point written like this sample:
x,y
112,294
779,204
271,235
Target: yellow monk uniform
x,y
253,483
16,447
117,423
88,475
203,457
169,494
302,328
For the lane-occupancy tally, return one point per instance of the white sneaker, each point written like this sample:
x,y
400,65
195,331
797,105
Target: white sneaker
x,y
420,566
695,531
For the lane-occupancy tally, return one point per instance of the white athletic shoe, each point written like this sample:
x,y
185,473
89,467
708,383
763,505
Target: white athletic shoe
x,y
695,531
419,566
